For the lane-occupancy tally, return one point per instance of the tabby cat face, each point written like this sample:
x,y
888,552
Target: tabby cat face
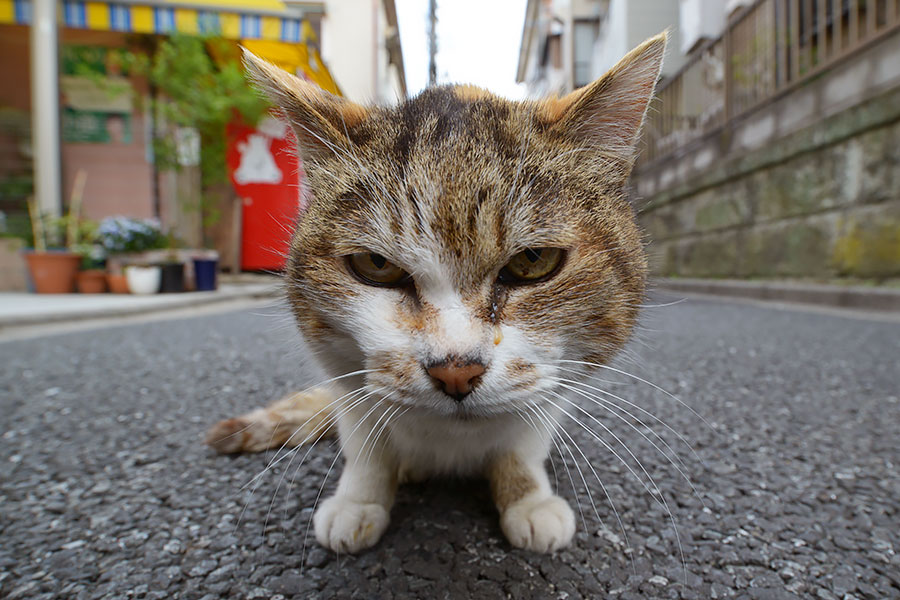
x,y
462,243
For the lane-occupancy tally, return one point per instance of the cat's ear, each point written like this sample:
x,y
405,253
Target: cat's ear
x,y
608,113
320,120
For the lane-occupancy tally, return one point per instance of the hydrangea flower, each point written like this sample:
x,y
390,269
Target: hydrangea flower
x,y
125,234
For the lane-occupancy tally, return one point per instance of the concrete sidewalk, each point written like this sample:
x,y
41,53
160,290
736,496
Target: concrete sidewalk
x,y
19,309
865,298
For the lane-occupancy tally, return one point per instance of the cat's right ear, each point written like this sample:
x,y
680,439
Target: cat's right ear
x,y
608,113
320,120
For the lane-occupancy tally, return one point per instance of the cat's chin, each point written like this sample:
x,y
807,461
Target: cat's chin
x,y
468,414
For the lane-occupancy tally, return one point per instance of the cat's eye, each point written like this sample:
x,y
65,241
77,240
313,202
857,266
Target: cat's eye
x,y
374,269
531,264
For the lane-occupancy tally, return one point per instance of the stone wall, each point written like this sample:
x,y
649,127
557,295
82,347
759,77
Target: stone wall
x,y
821,201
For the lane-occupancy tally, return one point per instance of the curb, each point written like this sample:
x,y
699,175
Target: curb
x,y
838,296
156,305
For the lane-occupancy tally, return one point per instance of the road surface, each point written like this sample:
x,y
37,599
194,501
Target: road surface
x,y
108,492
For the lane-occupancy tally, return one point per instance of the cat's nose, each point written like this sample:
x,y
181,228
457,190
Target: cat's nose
x,y
456,377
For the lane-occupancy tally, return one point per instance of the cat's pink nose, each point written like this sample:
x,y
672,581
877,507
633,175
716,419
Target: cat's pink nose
x,y
456,377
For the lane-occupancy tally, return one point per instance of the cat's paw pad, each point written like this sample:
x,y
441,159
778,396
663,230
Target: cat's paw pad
x,y
541,524
347,526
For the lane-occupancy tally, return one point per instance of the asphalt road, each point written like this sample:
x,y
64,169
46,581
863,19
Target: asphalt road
x,y
106,490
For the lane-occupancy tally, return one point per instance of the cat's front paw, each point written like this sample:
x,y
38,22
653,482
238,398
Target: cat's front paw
x,y
347,526
539,523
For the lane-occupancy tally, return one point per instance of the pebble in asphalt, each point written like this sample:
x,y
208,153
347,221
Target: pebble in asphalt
x,y
108,492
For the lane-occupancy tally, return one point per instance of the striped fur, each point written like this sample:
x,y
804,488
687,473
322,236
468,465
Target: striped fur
x,y
449,186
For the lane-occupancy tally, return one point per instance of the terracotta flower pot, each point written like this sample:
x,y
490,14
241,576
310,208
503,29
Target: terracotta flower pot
x,y
53,272
92,281
118,284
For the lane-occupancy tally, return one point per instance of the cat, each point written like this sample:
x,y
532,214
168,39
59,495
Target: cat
x,y
455,253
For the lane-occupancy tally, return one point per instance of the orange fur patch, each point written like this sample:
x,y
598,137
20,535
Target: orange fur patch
x,y
470,93
510,480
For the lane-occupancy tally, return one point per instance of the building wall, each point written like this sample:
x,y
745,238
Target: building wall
x,y
630,22
119,178
351,63
698,20
808,186
353,35
553,17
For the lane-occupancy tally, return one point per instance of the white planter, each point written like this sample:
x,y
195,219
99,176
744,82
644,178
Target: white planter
x,y
143,280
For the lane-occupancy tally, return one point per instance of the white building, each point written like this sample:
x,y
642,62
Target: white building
x,y
566,44
361,46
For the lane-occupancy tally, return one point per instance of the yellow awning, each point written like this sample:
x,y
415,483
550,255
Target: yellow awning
x,y
300,59
257,20
263,26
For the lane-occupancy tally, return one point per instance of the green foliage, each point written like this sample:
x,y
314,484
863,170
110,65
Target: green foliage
x,y
193,90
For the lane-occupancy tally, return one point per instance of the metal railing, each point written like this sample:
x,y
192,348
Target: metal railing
x,y
766,49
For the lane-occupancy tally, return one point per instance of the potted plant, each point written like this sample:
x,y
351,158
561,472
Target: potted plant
x,y
124,239
172,275
206,267
143,279
54,270
92,276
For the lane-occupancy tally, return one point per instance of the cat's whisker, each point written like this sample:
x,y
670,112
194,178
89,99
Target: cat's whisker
x,y
605,492
636,407
276,458
374,427
550,427
393,416
644,381
530,422
324,427
292,452
606,404
325,480
663,305
654,493
587,488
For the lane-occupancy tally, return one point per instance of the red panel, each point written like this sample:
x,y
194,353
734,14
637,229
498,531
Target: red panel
x,y
267,175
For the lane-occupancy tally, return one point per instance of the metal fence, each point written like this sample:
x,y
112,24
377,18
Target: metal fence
x,y
766,49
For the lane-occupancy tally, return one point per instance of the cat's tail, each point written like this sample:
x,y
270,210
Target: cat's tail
x,y
298,418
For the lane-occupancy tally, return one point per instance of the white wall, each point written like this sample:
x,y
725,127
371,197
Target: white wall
x,y
613,42
353,36
649,17
700,19
348,46
630,22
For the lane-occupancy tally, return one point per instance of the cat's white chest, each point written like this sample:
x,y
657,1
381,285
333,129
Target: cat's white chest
x,y
429,446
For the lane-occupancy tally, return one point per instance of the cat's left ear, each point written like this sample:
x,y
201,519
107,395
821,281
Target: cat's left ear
x,y
608,113
321,121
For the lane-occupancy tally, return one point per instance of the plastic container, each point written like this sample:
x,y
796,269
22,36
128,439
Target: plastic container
x,y
205,270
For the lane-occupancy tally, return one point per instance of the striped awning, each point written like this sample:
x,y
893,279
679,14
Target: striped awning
x,y
259,20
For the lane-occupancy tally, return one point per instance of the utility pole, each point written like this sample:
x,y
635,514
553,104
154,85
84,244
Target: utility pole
x,y
432,42
45,108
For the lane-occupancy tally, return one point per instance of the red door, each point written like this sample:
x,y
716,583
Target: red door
x,y
265,171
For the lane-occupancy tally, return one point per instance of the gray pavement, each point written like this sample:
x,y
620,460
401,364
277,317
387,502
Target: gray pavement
x,y
19,309
107,491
